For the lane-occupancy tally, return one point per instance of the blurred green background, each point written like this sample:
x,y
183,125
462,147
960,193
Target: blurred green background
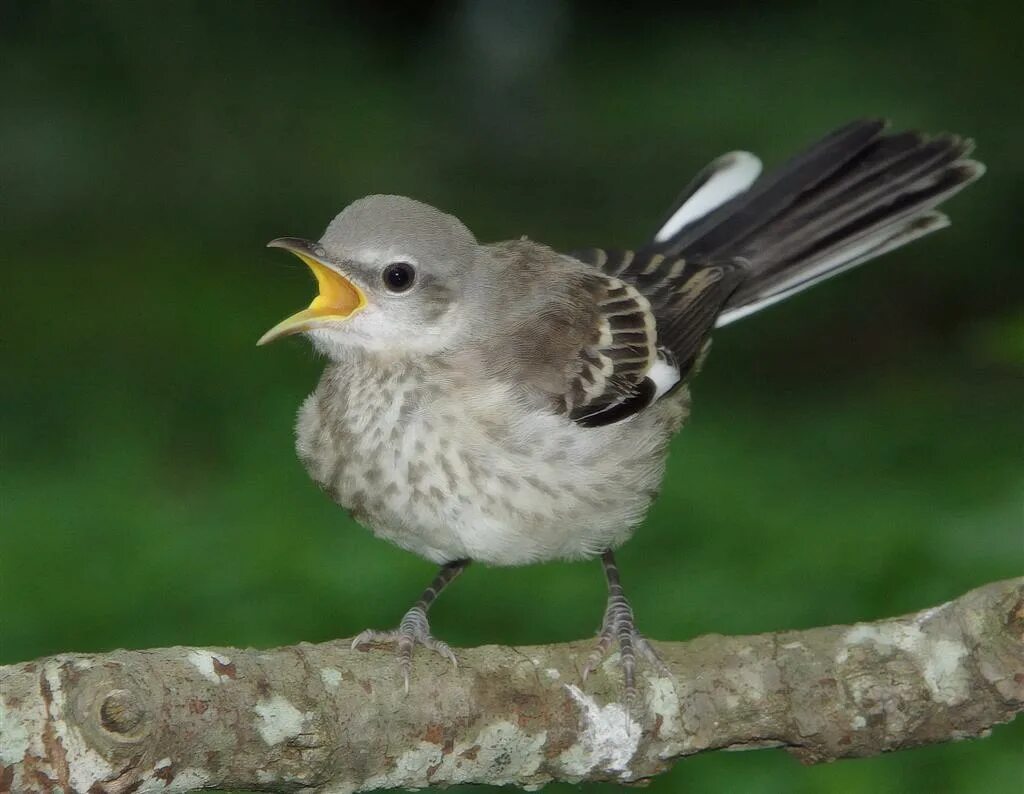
x,y
853,454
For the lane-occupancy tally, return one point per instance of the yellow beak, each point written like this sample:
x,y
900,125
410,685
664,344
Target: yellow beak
x,y
338,300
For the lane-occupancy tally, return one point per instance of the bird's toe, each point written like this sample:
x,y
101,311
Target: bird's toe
x,y
412,631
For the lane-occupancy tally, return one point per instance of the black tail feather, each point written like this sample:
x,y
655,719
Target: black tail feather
x,y
850,197
772,194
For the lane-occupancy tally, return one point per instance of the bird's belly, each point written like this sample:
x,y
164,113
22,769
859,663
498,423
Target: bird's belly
x,y
448,483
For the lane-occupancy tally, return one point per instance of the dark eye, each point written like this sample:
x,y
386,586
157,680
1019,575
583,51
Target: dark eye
x,y
399,276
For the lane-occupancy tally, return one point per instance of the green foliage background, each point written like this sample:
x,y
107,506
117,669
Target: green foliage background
x,y
853,454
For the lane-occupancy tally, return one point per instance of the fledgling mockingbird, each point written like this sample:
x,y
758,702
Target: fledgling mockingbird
x,y
512,404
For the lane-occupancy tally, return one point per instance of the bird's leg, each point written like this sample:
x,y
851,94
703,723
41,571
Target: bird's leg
x,y
618,626
414,629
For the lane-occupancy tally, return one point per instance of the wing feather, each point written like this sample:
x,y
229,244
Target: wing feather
x,y
684,297
735,242
611,368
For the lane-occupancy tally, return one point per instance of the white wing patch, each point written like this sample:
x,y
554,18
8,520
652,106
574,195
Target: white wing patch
x,y
728,176
664,373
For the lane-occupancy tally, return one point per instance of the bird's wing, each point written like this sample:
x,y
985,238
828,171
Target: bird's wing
x,y
601,334
734,243
608,377
683,297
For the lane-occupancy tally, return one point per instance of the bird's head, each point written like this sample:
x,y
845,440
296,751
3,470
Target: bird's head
x,y
391,273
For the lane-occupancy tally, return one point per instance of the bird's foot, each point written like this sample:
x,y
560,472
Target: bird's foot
x,y
412,631
618,627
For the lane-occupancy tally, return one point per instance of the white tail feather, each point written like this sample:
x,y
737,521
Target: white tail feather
x,y
730,175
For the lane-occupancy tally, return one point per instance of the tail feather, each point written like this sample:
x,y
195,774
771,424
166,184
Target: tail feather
x,y
801,253
727,177
772,194
861,189
847,258
851,197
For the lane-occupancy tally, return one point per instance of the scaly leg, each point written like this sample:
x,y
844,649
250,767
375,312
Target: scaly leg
x,y
618,626
414,628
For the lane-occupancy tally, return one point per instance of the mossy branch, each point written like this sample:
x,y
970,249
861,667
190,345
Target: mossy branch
x,y
326,718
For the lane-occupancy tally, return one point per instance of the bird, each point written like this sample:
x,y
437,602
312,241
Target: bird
x,y
510,403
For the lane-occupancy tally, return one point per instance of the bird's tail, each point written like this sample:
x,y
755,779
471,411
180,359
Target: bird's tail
x,y
854,195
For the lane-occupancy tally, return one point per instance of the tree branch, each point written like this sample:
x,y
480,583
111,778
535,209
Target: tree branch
x,y
325,718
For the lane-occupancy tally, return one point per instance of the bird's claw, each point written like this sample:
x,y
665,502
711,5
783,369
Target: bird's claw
x,y
597,655
619,628
412,631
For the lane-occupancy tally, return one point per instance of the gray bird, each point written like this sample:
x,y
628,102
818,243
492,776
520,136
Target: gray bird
x,y
513,404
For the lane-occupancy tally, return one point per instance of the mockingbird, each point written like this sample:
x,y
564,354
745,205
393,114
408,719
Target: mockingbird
x,y
512,404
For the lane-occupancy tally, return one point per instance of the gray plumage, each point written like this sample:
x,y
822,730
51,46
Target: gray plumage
x,y
511,404
456,443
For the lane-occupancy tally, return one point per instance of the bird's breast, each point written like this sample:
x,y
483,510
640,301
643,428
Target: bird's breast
x,y
450,470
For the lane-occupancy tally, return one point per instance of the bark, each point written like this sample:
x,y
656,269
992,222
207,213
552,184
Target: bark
x,y
326,718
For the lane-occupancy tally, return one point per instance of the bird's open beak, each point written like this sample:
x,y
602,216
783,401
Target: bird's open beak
x,y
339,298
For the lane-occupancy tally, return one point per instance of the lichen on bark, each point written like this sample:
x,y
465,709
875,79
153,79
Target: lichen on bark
x,y
326,718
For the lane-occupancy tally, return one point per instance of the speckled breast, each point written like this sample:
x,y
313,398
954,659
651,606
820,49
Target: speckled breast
x,y
452,470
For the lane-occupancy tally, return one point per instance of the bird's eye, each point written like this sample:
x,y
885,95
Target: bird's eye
x,y
398,276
